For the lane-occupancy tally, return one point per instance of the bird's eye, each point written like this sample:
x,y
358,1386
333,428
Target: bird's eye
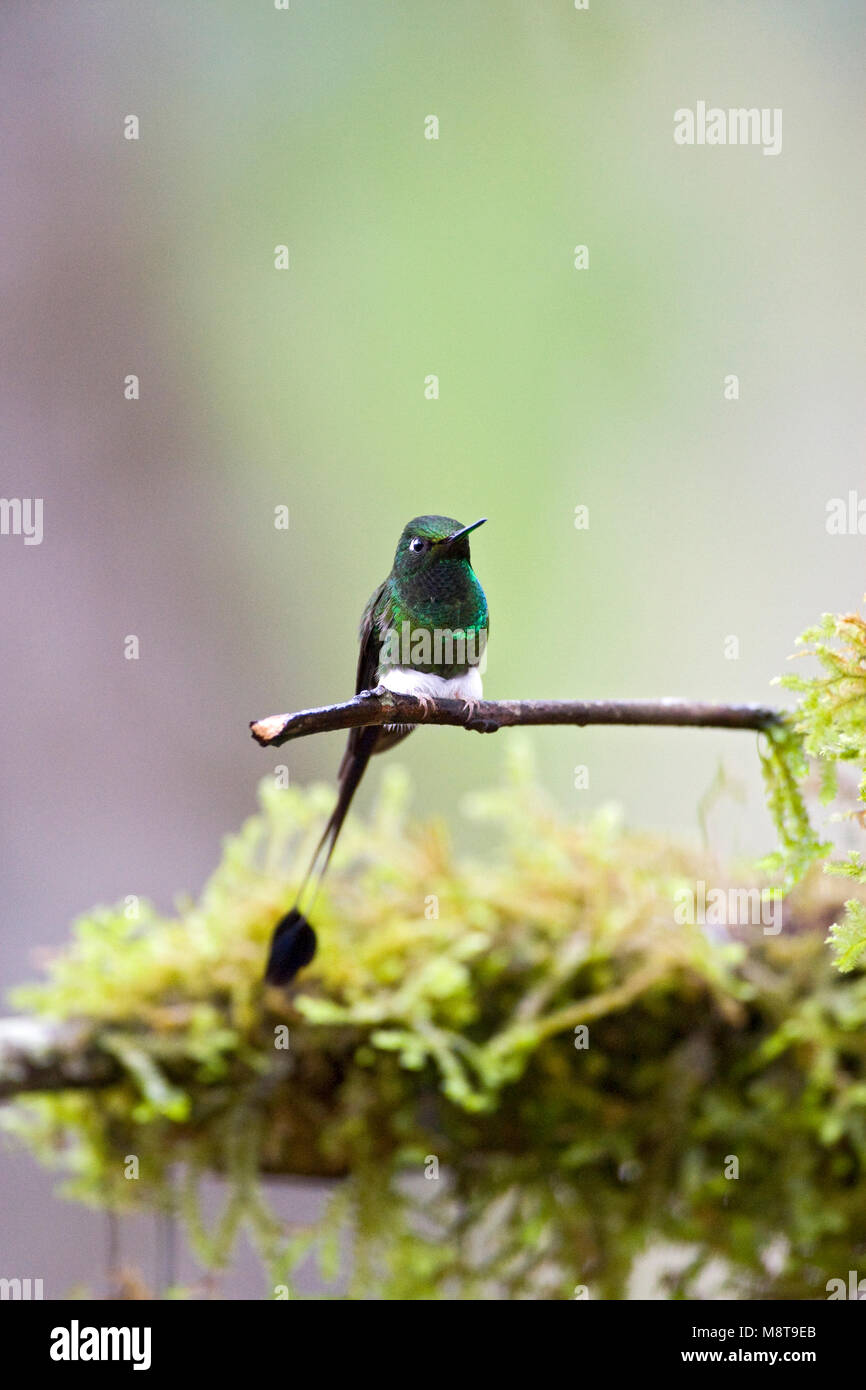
x,y
417,544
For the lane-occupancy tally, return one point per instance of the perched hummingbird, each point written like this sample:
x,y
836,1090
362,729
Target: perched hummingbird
x,y
423,633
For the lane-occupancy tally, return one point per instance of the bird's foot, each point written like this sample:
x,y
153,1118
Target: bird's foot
x,y
480,726
426,702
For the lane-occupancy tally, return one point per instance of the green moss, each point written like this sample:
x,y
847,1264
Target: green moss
x,y
829,727
438,1021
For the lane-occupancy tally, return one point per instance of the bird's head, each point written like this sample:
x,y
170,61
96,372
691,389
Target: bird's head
x,y
428,540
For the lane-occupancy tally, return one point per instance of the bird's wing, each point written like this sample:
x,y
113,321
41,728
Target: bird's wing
x,y
373,625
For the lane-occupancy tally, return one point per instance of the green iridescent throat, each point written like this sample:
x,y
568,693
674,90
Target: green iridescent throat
x,y
443,633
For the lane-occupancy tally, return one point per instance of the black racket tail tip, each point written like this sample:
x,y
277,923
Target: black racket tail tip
x,y
293,946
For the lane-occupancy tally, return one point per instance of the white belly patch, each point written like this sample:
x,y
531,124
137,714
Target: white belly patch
x,y
405,680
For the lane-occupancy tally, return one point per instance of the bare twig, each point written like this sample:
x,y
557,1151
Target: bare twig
x,y
489,715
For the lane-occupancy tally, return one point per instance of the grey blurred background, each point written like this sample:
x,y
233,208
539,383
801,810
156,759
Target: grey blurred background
x,y
305,387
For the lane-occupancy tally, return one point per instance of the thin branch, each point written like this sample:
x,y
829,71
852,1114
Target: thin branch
x,y
489,715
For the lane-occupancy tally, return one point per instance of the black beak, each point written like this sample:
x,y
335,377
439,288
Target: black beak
x,y
455,536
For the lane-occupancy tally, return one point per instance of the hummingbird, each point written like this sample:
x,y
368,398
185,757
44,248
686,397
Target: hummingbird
x,y
423,633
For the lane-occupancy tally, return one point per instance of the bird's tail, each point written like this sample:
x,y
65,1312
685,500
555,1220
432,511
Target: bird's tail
x,y
293,943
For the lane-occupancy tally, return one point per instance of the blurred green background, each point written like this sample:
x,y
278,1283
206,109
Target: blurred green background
x,y
409,257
